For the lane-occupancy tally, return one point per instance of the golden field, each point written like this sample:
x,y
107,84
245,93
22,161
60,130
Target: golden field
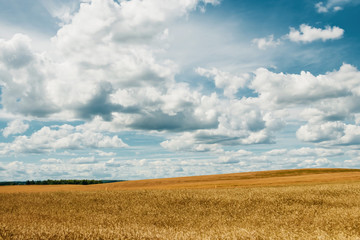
x,y
288,204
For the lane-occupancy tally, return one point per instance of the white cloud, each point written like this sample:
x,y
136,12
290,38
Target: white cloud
x,y
304,88
16,53
51,161
113,163
321,8
330,133
224,80
232,157
118,42
213,2
15,127
62,10
119,78
317,152
114,74
325,101
337,8
63,137
22,73
320,162
352,163
105,154
320,132
276,152
16,170
334,5
187,142
83,160
308,34
240,122
351,135
306,152
267,42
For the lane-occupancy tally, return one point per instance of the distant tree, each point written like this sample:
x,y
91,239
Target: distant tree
x,y
63,181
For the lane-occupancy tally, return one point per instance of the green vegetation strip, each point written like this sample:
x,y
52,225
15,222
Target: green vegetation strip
x,y
58,182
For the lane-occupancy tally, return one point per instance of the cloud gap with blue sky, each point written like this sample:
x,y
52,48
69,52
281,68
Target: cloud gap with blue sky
x,y
134,89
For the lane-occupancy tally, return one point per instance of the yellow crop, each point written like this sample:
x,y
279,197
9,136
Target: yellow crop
x,y
317,211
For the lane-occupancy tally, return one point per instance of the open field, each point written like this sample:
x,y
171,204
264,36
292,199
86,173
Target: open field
x,y
260,207
232,180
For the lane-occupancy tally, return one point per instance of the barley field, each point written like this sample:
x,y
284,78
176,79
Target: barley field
x,y
301,211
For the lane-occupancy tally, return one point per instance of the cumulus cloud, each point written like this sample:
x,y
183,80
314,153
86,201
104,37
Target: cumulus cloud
x,y
16,170
115,74
321,132
317,152
320,162
224,80
352,163
308,34
105,154
325,101
276,152
15,127
116,55
213,2
231,157
113,163
330,133
267,42
83,160
134,21
51,161
62,10
240,122
305,87
104,68
306,152
23,74
187,142
16,53
49,169
220,162
334,5
65,137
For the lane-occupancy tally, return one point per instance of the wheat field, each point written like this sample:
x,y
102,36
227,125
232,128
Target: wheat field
x,y
301,211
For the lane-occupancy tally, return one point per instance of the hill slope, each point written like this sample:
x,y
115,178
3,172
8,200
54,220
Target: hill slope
x,y
261,178
239,208
233,180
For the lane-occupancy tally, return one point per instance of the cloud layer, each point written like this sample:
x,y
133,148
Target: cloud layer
x,y
108,79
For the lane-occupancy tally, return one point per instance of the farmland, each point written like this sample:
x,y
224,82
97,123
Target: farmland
x,y
288,204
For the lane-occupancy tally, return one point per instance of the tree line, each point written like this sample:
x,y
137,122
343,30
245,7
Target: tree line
x,y
55,182
63,181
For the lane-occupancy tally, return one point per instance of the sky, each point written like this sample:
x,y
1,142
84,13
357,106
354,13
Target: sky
x,y
138,89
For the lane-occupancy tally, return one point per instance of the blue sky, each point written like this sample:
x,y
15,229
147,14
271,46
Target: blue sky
x,y
138,89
